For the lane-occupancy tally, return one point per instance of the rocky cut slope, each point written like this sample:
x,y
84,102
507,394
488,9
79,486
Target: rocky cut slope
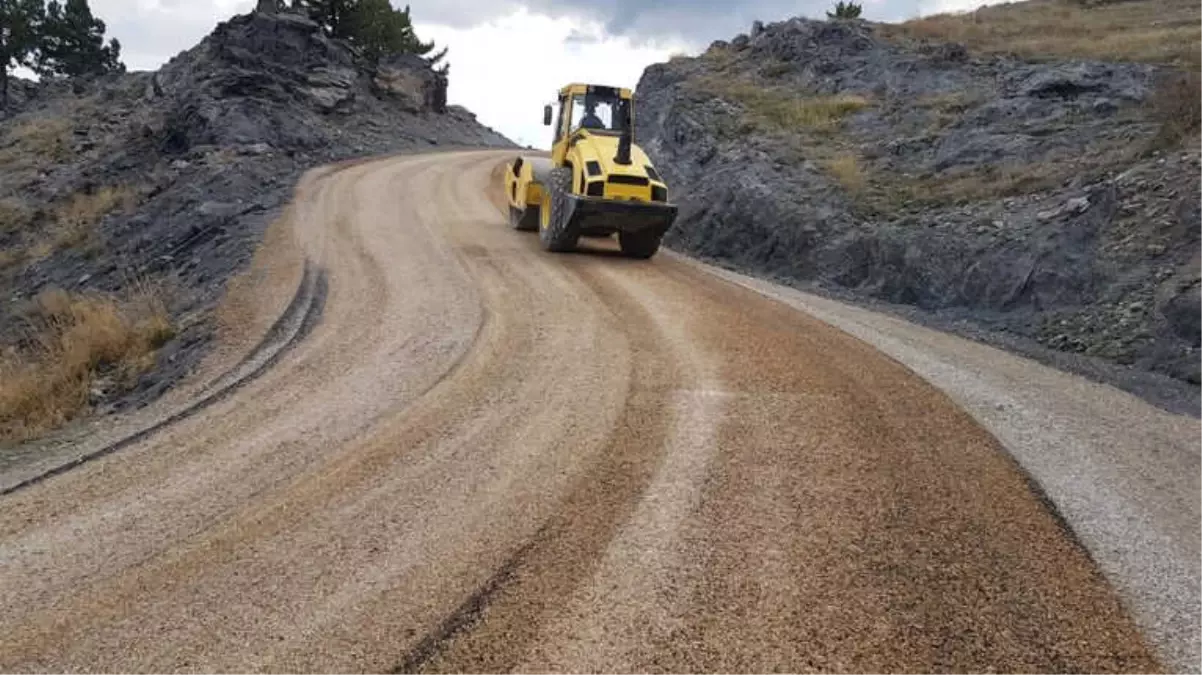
x,y
1050,206
167,180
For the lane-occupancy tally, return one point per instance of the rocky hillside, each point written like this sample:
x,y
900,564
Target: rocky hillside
x,y
1047,204
166,181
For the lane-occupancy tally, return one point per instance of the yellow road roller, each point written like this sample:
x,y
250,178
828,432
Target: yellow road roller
x,y
596,182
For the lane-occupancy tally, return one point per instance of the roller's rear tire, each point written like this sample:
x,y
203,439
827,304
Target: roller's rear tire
x,y
555,232
642,245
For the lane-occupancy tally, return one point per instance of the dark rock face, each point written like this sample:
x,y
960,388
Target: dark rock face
x,y
1182,312
1004,197
406,79
211,146
276,79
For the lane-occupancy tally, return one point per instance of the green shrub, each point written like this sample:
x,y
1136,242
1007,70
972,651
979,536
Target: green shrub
x,y
845,10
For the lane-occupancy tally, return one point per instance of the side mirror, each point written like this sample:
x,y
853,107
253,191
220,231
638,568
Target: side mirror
x,y
546,115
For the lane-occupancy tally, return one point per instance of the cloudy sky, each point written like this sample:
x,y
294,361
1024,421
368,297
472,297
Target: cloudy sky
x,y
508,56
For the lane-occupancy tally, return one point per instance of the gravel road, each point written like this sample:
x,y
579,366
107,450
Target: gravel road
x,y
1125,474
486,457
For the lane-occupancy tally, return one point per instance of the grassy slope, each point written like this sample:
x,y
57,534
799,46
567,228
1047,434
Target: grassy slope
x,y
71,344
1147,31
1159,32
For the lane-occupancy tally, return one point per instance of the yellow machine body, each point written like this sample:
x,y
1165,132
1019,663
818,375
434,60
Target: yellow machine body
x,y
596,180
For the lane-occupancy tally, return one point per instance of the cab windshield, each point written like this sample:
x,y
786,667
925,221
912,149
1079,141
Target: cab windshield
x,y
597,112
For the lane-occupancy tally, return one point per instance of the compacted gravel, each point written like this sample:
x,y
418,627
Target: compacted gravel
x,y
1124,474
486,457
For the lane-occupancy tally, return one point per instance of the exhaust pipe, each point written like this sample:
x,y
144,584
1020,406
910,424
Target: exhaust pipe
x,y
623,156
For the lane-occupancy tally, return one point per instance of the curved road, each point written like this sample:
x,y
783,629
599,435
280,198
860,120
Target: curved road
x,y
486,457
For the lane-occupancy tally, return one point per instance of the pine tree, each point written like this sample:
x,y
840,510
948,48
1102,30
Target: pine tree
x,y
72,43
373,26
846,10
20,21
433,61
410,44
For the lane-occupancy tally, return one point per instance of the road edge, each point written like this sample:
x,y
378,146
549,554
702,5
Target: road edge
x,y
289,329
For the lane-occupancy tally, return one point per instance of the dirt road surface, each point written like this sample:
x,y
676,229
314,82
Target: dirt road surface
x,y
486,457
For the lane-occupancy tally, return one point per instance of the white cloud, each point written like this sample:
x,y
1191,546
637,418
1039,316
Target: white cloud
x,y
153,31
507,69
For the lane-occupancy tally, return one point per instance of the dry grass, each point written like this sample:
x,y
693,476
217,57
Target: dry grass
x,y
775,68
72,225
780,109
983,183
15,215
75,220
15,219
1149,31
952,102
88,208
10,257
818,113
1177,106
36,141
846,169
718,58
947,109
72,342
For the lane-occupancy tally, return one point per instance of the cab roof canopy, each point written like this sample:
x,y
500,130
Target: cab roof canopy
x,y
579,88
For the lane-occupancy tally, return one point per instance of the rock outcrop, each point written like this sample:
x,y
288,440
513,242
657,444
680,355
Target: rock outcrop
x,y
203,153
1025,201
